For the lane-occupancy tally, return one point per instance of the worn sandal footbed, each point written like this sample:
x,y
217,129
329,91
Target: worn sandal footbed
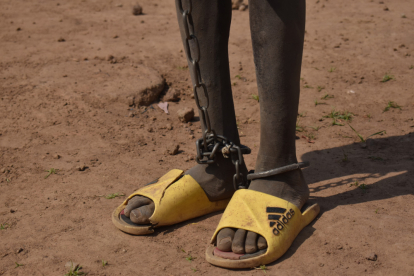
x,y
277,220
177,198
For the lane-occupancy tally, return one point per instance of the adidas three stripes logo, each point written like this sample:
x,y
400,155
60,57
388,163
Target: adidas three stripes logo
x,y
278,218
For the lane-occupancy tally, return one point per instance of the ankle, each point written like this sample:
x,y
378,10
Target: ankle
x,y
290,186
268,162
216,179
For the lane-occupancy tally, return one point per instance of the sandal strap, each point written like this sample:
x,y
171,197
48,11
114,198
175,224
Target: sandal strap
x,y
276,171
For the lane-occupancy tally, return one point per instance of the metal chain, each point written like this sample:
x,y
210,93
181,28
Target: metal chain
x,y
210,143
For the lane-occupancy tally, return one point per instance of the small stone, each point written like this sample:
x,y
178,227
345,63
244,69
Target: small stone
x,y
386,8
131,101
82,167
172,95
137,9
191,136
237,4
56,156
185,114
2,170
18,29
150,129
339,247
71,265
61,39
131,114
169,126
173,149
146,96
242,7
12,211
19,250
372,257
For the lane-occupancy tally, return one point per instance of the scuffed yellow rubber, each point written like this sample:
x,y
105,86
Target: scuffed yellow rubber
x,y
175,201
247,210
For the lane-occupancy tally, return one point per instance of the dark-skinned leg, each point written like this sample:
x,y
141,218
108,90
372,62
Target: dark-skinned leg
x,y
277,29
211,20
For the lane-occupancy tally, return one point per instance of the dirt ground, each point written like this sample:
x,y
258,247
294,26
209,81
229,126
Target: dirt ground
x,y
57,112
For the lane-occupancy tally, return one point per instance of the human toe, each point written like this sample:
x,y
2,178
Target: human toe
x,y
239,241
136,202
142,214
225,239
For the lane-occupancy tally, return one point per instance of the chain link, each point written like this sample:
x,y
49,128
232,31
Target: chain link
x,y
210,144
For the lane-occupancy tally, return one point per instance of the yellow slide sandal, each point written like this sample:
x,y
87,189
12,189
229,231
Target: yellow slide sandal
x,y
177,198
277,220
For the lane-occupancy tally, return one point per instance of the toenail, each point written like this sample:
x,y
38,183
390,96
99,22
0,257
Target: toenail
x,y
225,240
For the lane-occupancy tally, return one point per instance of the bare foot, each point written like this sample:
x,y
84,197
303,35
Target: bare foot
x,y
215,179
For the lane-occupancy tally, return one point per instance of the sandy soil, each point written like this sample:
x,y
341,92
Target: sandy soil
x,y
56,113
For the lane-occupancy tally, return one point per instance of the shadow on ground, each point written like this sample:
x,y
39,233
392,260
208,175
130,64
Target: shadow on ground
x,y
374,159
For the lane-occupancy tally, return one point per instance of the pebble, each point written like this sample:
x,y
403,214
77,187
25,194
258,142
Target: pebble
x,y
242,7
169,126
172,95
372,256
19,250
82,168
110,57
2,170
131,100
56,156
137,9
240,4
173,149
185,114
61,39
